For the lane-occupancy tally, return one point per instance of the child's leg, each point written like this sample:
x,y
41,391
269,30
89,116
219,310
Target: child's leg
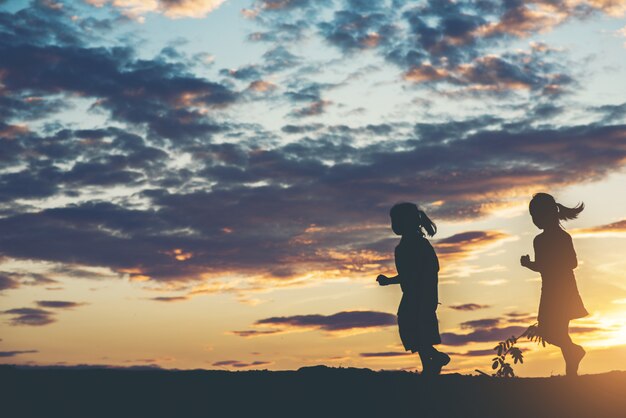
x,y
557,333
424,354
572,353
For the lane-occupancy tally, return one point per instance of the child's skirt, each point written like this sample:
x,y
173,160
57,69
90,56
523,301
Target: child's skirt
x,y
417,324
560,302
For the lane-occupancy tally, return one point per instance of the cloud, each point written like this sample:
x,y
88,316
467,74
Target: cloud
x,y
273,61
58,304
337,188
30,316
174,9
278,5
385,354
431,41
469,307
461,244
255,333
261,86
37,316
271,206
6,282
57,60
585,330
341,323
499,329
313,109
521,71
16,353
169,298
489,330
614,229
240,364
612,113
481,335
352,30
480,323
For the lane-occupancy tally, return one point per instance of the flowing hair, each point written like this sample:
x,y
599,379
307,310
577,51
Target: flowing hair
x,y
544,202
565,213
426,224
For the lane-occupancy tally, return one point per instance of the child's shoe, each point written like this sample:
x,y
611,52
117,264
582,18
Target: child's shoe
x,y
438,360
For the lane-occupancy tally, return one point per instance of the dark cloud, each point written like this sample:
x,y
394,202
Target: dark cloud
x,y
40,25
7,282
519,318
30,316
255,333
240,364
55,59
275,60
439,41
469,307
259,205
37,316
58,304
288,205
480,323
612,113
280,5
16,353
299,129
340,321
245,73
312,109
585,330
169,298
481,335
354,30
498,329
460,245
385,354
13,280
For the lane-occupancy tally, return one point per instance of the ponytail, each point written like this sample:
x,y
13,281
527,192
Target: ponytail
x,y
565,213
426,223
544,204
412,219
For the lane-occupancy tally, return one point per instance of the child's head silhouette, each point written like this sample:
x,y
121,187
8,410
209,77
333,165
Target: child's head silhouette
x,y
407,218
546,212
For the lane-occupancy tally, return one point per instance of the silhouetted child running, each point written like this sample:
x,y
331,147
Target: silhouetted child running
x,y
555,259
417,266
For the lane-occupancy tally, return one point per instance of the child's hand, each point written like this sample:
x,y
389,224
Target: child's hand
x,y
525,260
382,280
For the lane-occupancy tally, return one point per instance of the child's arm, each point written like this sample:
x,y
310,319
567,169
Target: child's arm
x,y
531,265
385,281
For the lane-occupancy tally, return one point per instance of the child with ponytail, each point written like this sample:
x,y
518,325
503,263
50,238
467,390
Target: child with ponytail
x,y
417,266
555,259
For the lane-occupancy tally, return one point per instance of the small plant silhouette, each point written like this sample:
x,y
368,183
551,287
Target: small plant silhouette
x,y
507,348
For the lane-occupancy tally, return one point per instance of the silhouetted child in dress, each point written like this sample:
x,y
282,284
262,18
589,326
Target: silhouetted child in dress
x,y
417,266
555,259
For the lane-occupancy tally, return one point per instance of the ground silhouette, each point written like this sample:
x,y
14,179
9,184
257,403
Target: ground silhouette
x,y
308,392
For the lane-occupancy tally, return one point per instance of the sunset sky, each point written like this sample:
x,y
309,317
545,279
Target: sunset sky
x,y
206,183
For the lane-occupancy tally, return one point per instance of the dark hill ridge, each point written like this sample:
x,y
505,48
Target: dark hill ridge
x,y
92,392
